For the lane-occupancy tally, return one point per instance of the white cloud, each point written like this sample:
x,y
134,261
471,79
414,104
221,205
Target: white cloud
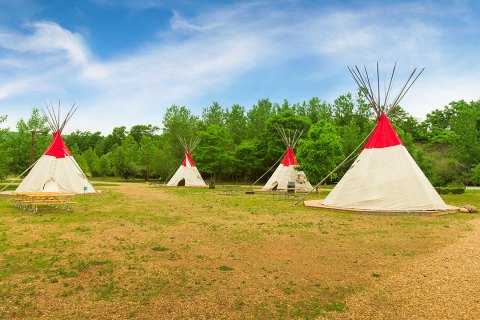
x,y
48,37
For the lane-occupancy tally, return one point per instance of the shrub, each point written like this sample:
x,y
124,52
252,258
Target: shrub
x,y
450,190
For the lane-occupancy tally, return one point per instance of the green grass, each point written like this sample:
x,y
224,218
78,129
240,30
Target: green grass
x,y
225,268
159,249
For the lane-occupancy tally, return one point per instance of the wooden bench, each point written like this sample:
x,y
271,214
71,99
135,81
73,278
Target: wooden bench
x,y
30,201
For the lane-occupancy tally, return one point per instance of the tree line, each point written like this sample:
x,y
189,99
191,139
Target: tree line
x,y
239,144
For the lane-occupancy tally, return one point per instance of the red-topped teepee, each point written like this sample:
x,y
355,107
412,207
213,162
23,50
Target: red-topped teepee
x,y
187,174
384,177
57,147
286,171
56,170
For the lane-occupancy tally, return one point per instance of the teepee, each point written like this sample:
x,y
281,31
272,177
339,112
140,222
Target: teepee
x,y
187,174
384,177
286,171
56,170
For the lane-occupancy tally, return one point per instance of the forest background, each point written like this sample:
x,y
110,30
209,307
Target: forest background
x,y
239,144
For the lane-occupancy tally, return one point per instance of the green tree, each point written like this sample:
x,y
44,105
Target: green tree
x,y
147,152
178,122
467,129
476,175
403,120
258,116
138,131
315,110
123,164
247,158
321,151
92,160
83,164
213,115
211,155
115,138
21,142
124,159
85,140
104,166
5,158
236,123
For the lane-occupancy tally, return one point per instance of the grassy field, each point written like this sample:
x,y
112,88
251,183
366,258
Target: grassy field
x,y
147,252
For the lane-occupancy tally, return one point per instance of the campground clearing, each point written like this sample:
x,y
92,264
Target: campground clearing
x,y
146,252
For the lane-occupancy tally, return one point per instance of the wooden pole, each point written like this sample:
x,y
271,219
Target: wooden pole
x,y
32,153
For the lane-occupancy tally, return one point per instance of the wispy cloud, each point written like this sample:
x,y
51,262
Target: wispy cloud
x,y
47,37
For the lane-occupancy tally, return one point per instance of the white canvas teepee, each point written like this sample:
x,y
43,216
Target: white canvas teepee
x,y
286,171
56,170
384,177
187,174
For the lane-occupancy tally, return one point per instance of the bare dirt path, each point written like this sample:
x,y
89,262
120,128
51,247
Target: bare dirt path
x,y
442,285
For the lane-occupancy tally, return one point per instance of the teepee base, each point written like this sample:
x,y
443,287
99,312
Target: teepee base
x,y
317,204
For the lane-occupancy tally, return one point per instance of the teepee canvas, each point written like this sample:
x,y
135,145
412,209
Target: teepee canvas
x,y
56,170
286,171
187,174
384,177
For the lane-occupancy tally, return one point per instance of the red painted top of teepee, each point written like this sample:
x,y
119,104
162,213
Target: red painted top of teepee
x,y
189,158
57,147
289,159
383,136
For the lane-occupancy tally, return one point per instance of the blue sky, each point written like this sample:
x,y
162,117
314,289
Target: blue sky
x,y
123,62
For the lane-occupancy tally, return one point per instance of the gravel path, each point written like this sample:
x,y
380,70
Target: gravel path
x,y
442,285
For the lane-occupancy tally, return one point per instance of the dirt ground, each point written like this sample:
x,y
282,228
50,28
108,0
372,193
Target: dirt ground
x,y
441,285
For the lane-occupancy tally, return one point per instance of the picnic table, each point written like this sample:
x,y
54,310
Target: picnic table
x,y
30,201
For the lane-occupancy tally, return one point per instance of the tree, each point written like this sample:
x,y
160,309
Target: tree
x,y
104,166
213,115
21,142
466,126
115,138
123,164
247,158
83,164
453,136
179,122
138,131
92,160
5,158
343,109
321,151
315,110
147,151
85,140
257,117
403,120
476,175
124,159
236,123
211,154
